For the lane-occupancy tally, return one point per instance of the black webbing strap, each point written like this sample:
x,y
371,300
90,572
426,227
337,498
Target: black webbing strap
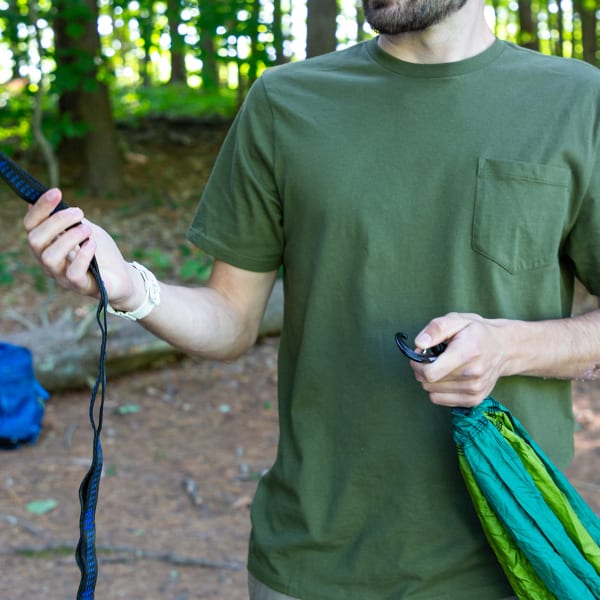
x,y
30,189
88,490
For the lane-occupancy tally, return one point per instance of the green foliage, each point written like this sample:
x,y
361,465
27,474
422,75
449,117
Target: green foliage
x,y
186,263
15,115
16,262
196,266
6,269
223,46
174,100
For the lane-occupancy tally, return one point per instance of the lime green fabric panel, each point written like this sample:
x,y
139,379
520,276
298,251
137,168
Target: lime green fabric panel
x,y
522,576
553,496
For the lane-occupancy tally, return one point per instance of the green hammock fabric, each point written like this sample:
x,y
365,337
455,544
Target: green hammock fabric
x,y
544,535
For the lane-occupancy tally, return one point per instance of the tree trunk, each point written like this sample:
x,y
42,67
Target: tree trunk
x,y
589,25
146,24
360,22
208,54
71,146
528,31
103,161
560,43
254,51
321,27
178,70
278,37
88,101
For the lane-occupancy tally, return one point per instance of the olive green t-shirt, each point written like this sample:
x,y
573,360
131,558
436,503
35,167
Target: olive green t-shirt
x,y
393,193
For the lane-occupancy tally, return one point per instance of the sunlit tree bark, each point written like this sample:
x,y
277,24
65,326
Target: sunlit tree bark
x,y
321,27
589,29
178,71
528,29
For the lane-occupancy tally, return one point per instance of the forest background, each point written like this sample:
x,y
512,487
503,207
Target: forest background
x,y
72,70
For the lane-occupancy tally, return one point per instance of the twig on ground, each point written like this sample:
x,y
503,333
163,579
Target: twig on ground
x,y
23,524
84,326
110,554
13,315
69,432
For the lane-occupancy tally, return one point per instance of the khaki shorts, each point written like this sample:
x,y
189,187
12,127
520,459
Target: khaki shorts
x,y
259,591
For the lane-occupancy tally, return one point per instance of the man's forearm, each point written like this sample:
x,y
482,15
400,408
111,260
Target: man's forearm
x,y
220,320
199,322
561,349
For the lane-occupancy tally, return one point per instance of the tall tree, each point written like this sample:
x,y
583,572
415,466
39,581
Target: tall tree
x,y
360,22
84,96
207,24
278,37
528,29
321,27
178,71
145,20
589,28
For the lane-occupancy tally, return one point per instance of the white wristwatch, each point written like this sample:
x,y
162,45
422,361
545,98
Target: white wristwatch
x,y
151,300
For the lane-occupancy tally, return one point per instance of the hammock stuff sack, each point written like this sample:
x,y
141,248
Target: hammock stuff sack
x,y
543,533
22,398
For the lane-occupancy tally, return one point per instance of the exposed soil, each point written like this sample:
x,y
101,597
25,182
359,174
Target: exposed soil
x,y
184,444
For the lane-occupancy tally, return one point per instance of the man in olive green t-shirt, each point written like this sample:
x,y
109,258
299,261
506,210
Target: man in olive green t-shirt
x,y
434,179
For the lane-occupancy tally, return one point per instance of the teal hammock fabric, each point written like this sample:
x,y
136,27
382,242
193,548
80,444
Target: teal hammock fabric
x,y
543,533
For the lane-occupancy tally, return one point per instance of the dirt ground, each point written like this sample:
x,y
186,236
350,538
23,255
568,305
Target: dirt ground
x,y
184,444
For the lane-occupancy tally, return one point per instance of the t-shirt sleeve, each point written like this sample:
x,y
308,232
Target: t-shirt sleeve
x,y
239,217
583,244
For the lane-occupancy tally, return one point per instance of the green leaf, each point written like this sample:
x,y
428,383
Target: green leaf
x,y
128,409
41,507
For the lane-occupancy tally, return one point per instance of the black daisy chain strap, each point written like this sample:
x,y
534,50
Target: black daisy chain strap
x,y
30,189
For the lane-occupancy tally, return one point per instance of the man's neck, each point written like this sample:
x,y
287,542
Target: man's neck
x,y
462,35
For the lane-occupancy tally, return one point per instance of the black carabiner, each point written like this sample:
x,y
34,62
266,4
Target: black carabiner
x,y
427,356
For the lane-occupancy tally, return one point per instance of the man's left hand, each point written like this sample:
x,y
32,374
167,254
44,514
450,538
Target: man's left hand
x,y
467,372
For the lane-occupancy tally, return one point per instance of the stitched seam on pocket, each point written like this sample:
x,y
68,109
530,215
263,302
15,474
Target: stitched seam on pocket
x,y
493,248
552,175
530,180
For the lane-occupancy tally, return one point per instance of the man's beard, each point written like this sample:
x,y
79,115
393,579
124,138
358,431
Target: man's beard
x,y
392,17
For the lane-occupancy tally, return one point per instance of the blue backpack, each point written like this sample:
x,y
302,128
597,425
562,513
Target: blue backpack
x,y
22,398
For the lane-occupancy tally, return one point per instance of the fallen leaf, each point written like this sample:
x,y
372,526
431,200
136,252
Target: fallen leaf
x,y
41,507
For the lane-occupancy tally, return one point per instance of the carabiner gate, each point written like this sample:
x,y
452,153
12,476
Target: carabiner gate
x,y
427,356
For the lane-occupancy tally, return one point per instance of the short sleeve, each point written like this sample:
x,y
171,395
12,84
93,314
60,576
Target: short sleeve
x,y
239,217
583,244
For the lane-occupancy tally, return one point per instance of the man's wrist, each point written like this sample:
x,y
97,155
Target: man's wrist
x,y
149,300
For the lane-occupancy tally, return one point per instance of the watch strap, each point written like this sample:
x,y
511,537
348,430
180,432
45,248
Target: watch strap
x,y
151,299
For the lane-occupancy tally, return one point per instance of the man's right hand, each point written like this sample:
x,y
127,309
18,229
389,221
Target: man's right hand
x,y
218,320
65,243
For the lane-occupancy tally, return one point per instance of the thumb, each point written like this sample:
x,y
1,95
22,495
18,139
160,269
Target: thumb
x,y
440,329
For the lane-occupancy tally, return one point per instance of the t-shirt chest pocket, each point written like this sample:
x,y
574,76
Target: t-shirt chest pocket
x,y
519,214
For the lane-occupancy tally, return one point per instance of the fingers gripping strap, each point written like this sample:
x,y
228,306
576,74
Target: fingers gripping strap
x,y
30,189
